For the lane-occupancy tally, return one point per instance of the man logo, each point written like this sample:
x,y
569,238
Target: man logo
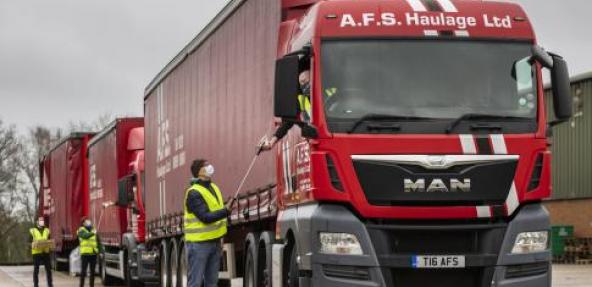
x,y
437,185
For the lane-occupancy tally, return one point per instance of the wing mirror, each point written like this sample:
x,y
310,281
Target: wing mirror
x,y
560,82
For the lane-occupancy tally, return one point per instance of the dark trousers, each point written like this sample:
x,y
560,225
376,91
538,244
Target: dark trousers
x,y
39,259
86,261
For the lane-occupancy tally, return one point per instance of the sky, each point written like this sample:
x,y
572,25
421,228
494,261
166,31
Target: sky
x,y
69,60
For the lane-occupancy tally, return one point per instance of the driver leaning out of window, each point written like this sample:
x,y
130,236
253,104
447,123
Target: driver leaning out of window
x,y
304,112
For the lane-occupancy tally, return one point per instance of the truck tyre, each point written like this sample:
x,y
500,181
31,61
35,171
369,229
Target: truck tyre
x,y
174,263
61,266
54,262
182,266
292,274
250,277
264,263
106,279
165,270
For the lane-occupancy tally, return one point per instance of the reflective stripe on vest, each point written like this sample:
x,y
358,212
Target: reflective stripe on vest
x,y
88,246
197,231
37,236
305,107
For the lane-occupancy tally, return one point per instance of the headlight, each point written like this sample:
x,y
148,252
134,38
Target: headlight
x,y
340,243
528,242
148,256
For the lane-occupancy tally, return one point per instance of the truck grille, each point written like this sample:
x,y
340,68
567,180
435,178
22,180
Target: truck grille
x,y
436,278
524,270
397,242
387,183
347,272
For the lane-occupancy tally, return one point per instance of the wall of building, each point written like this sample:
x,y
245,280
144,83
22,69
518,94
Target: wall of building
x,y
572,144
576,212
572,161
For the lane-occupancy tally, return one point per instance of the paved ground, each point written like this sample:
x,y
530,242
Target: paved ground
x,y
572,275
22,276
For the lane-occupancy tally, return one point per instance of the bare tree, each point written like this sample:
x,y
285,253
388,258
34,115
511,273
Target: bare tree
x,y
35,145
10,147
95,125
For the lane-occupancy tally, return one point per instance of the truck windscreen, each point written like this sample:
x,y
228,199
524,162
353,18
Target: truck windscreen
x,y
424,86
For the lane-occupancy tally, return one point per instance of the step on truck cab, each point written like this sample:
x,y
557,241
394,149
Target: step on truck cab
x,y
422,162
116,168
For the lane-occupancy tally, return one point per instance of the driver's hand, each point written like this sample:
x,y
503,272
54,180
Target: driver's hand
x,y
267,144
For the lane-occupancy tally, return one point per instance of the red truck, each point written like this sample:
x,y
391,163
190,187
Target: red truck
x,y
63,195
116,163
423,164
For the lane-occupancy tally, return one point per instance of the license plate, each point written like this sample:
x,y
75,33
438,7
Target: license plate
x,y
438,261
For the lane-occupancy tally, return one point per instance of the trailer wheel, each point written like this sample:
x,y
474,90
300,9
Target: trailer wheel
x,y
106,279
250,277
165,271
174,263
182,267
292,274
264,263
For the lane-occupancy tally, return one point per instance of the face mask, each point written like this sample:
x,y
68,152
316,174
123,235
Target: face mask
x,y
87,223
41,223
209,170
306,89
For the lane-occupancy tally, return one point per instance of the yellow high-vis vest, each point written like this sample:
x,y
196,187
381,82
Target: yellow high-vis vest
x,y
37,236
197,231
305,107
88,246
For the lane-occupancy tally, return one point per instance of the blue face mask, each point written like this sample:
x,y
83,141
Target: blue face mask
x,y
305,89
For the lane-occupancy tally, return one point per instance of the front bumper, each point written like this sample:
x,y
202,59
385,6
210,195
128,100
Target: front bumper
x,y
389,246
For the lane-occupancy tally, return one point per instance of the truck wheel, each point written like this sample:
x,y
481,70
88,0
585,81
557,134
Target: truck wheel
x,y
264,263
174,263
165,271
292,274
182,267
54,262
249,279
106,279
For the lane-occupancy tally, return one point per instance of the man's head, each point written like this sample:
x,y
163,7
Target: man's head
x,y
304,80
304,77
86,222
202,169
41,222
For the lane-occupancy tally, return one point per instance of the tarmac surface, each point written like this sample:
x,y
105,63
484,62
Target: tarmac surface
x,y
22,276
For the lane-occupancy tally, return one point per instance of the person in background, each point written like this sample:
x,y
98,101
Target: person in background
x,y
89,248
204,226
40,255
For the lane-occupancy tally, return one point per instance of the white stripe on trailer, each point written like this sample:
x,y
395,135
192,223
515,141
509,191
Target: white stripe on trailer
x,y
468,144
483,211
286,164
461,33
417,5
431,33
447,6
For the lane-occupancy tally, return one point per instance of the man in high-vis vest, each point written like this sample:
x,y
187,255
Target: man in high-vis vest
x,y
204,226
304,110
89,248
40,254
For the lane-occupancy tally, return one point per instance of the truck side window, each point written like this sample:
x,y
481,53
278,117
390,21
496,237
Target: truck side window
x,y
524,75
